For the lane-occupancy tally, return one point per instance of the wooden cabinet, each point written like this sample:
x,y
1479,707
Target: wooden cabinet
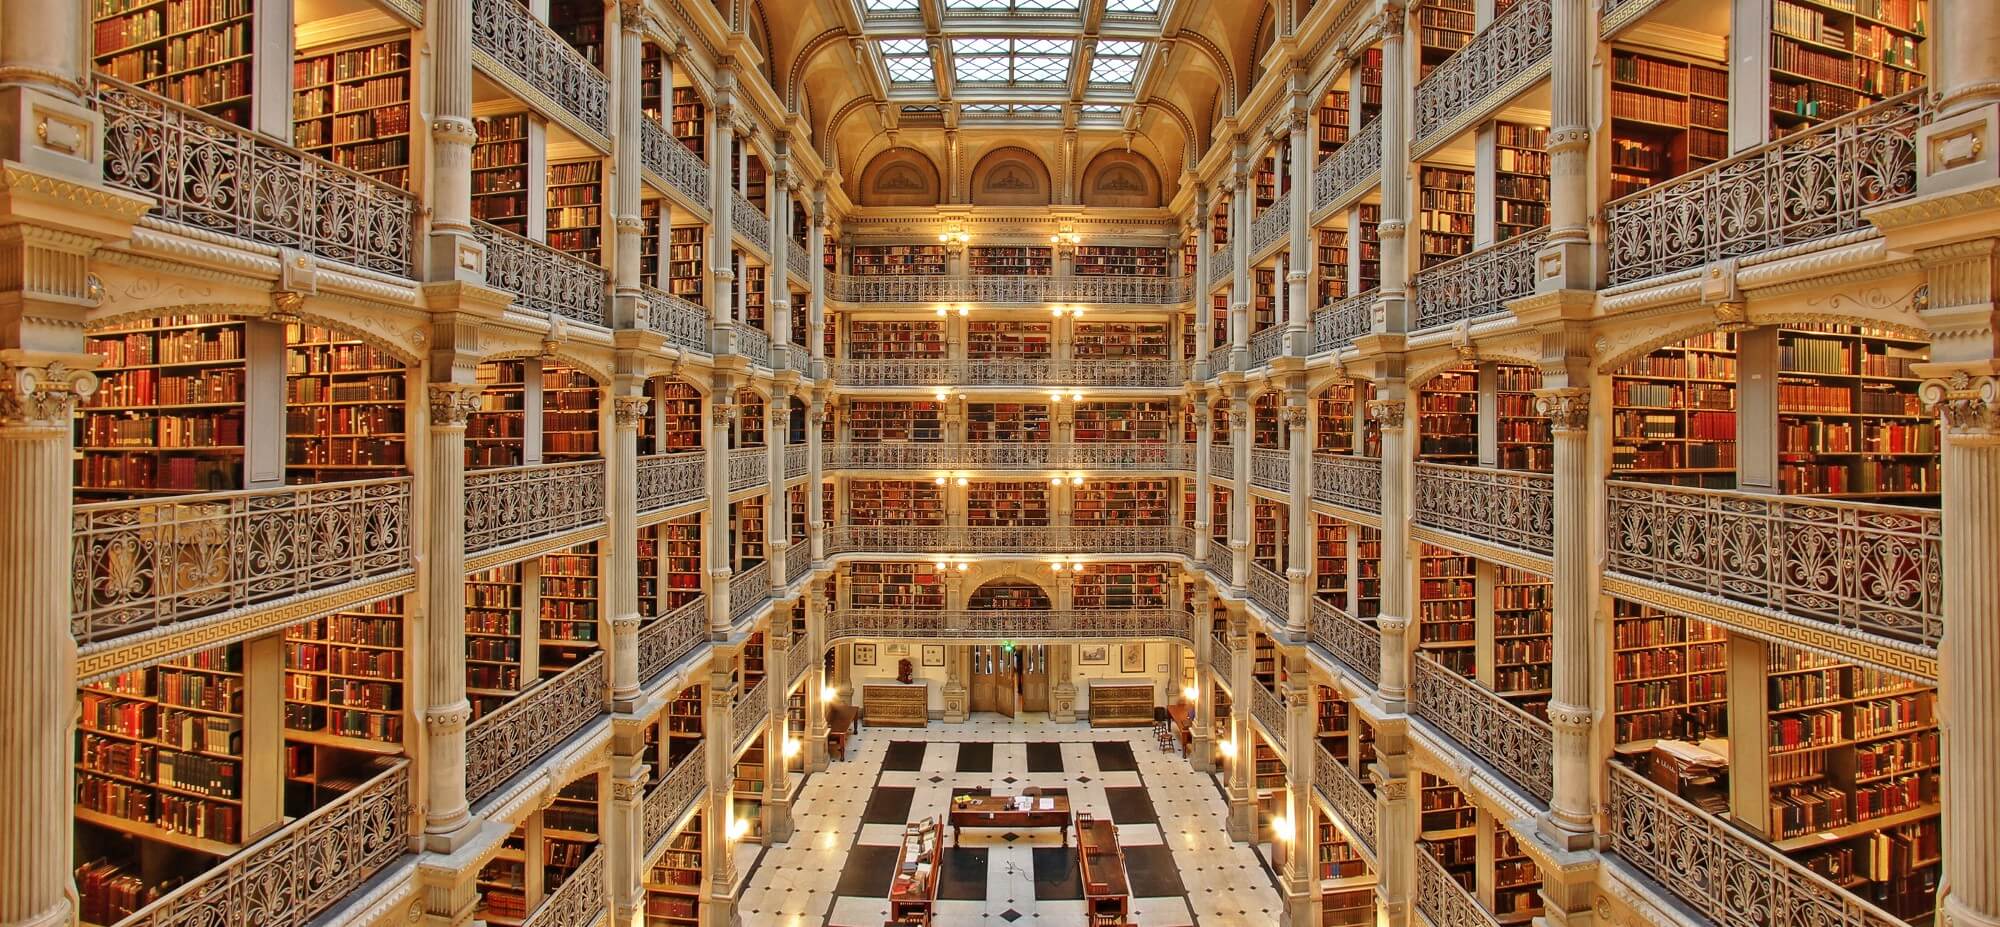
x,y
1121,704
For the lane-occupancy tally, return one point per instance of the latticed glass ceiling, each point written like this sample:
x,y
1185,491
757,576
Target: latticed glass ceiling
x,y
983,58
907,60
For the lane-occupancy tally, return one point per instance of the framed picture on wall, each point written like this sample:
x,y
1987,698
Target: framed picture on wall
x,y
933,654
1132,658
897,650
864,654
1093,655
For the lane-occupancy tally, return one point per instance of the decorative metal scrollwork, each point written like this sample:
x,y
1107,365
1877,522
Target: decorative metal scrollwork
x,y
1508,507
512,504
539,57
544,279
1479,284
1519,745
514,736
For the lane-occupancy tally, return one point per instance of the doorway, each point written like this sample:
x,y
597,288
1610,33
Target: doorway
x,y
996,680
1034,659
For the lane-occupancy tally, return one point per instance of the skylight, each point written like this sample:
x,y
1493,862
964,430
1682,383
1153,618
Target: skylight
x,y
892,6
907,60
1003,6
1131,6
1009,109
1115,62
1098,109
1011,61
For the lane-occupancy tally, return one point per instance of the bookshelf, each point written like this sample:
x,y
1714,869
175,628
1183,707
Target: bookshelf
x,y
493,646
683,569
1348,907
755,291
344,407
1121,585
747,532
197,54
1368,572
1333,722
683,727
1122,341
652,257
895,585
1849,419
1009,595
1218,515
1832,58
1267,533
503,882
1263,661
1448,422
674,882
1269,770
1337,410
570,830
795,517
679,414
1264,182
500,171
1520,179
168,415
689,121
1524,435
897,260
1368,263
1517,881
894,502
569,601
1523,645
749,430
351,106
1330,550
1344,876
581,24
1008,340
873,421
1109,503
1668,677
1264,429
1443,27
1150,422
1330,257
1011,262
653,78
1674,414
1669,115
1333,127
1370,85
1007,505
1448,204
1218,220
1010,422
576,208
344,676
1114,261
569,413
647,564
747,788
1218,326
872,339
494,434
1447,608
687,262
1444,815
1263,298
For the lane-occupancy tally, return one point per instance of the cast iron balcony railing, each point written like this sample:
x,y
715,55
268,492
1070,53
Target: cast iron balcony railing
x,y
1519,745
684,324
672,636
1336,326
1270,590
1355,643
674,796
543,279
211,175
1854,565
1729,877
1221,462
580,900
1122,539
797,464
513,504
1348,480
1012,624
752,707
795,258
751,222
800,656
1222,657
1267,344
1009,288
1271,224
1508,507
675,164
511,35
1808,185
292,876
1476,285
1221,265
749,589
1126,455
1271,469
1338,785
749,467
1443,901
982,372
1499,62
995,455
667,480
1221,561
1355,167
149,563
1269,712
798,561
753,343
513,737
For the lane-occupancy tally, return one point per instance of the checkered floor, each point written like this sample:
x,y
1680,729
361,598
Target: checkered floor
x,y
1171,821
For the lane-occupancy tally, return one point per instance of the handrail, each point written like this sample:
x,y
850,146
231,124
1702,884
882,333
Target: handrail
x,y
1271,468
506,505
1337,325
1478,284
750,222
1270,712
675,794
1514,45
667,480
1511,507
1518,744
1444,902
1271,591
749,589
1348,480
580,901
514,736
751,709
1357,163
1012,624
671,636
1341,789
542,278
1357,644
514,37
685,324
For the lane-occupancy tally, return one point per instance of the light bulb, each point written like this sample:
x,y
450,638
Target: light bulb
x,y
1189,694
1055,397
828,694
791,747
939,481
1076,481
963,566
1228,748
962,481
1057,312
1055,481
738,827
1076,397
941,311
965,310
1281,827
939,564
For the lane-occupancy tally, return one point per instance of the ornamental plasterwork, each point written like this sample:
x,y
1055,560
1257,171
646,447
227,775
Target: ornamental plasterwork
x,y
1568,408
630,411
41,395
1969,406
1387,413
452,404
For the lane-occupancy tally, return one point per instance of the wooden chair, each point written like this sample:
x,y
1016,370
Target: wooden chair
x,y
1163,733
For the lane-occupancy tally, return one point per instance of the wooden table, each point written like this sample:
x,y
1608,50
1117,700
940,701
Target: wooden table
x,y
994,811
841,722
913,890
1106,893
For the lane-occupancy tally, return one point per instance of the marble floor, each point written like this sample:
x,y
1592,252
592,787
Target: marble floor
x,y
1171,822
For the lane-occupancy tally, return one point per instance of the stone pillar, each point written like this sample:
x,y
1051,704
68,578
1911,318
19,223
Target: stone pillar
x,y
777,508
816,684
1300,879
1204,482
1299,296
1299,520
815,468
720,294
627,164
622,528
957,697
777,731
1204,333
1396,823
448,823
1243,209
1240,441
1397,90
1242,793
1201,753
1394,620
1062,685
816,307
454,254
721,560
625,818
1570,822
718,909
778,281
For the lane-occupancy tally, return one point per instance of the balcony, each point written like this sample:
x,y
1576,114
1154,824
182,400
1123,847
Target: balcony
x,y
752,343
1133,539
1504,59
1221,265
1113,455
1808,185
1038,373
580,900
1271,224
1355,805
1444,902
682,323
1857,566
1270,591
1353,169
514,504
1110,624
666,157
752,707
513,737
672,636
150,563
1355,643
1222,658
1270,713
674,797
1349,481
1482,724
1221,561
750,222
797,463
1221,462
1267,345
1126,455
796,260
1271,469
211,175
1729,877
749,467
800,657
1506,507
1336,327
1476,285
537,61
749,589
1010,288
798,561
543,279
667,480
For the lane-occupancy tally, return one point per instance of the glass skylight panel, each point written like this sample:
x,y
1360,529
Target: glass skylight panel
x,y
1103,108
1046,5
907,60
1009,109
1002,61
1041,60
1116,62
1131,6
889,6
969,5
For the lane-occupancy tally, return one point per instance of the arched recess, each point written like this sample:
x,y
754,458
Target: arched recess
x,y
1267,33
1121,178
1010,176
1008,593
796,76
759,29
900,177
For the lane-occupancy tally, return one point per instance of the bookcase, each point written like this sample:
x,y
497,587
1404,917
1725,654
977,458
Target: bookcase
x,y
747,532
570,830
872,421
896,260
1121,585
344,676
1008,595
683,726
1448,418
1669,115
194,53
682,569
795,517
1115,261
1218,515
689,120
1267,533
1447,608
895,585
1264,429
576,208
503,882
344,408
1150,422
894,502
569,413
1337,410
1007,261
1122,341
168,415
1668,677
1008,340
678,405
1448,205
1264,182
570,600
351,106
493,646
1007,421
1110,503
755,291
500,171
1517,881
1330,257
747,788
1263,298
1348,907
581,24
652,256
494,433
1330,559
1524,436
872,339
1674,414
1520,179
1849,419
1333,128
1832,58
1445,816
1443,27
687,264
1370,86
1368,263
1523,648
1269,770
754,176
674,882
1218,220
1007,504
1367,572
654,75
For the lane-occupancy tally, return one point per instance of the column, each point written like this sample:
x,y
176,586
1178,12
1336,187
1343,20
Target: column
x,y
815,465
1240,440
1300,879
1201,753
818,687
1243,211
1062,684
719,908
626,163
715,537
777,510
622,527
957,696
1397,89
448,823
1394,620
1204,485
779,280
1204,335
453,254
777,731
1570,823
1299,520
1565,260
1299,297
720,294
1242,796
816,304
625,818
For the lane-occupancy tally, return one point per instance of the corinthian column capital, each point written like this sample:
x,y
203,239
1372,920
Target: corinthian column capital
x,y
452,404
1968,405
1568,408
41,392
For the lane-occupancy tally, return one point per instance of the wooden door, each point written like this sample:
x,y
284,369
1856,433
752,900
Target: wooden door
x,y
985,687
1034,677
1008,680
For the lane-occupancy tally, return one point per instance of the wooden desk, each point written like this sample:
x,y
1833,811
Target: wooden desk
x,y
1106,893
1182,716
913,890
841,723
994,811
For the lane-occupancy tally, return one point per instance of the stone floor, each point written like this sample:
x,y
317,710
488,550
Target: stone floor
x,y
1171,821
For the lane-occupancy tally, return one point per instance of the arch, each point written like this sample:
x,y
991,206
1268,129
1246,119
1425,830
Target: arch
x,y
795,76
1192,148
833,124
1221,61
899,177
1120,178
990,594
596,372
1266,35
1010,176
759,30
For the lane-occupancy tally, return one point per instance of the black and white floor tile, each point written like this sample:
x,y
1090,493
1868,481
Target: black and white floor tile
x,y
1172,822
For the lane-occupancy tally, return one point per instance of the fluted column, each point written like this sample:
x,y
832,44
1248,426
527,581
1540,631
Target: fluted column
x,y
1242,795
1396,105
1570,823
454,254
777,774
622,528
721,559
1298,322
1394,620
1565,260
778,282
1201,751
816,476
1299,516
1301,876
816,305
817,686
719,908
1204,335
1240,444
1204,483
448,822
1243,209
625,819
626,161
720,294
777,513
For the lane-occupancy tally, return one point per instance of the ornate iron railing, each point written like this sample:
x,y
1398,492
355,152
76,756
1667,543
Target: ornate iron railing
x,y
1479,284
1808,185
1127,455
1355,643
1008,373
795,258
752,707
1443,901
1009,624
1499,60
1271,468
1874,568
749,589
512,504
293,875
1271,224
148,563
800,656
993,455
1221,265
514,736
684,170
1336,326
672,636
684,324
1010,288
1267,344
667,480
1338,785
1731,878
1270,590
1509,507
539,57
751,222
749,467
1221,561
1270,712
753,343
676,792
580,901
1221,462
1222,656
1148,539
1519,745
541,278
797,463
1356,166
1348,480
218,177
798,562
